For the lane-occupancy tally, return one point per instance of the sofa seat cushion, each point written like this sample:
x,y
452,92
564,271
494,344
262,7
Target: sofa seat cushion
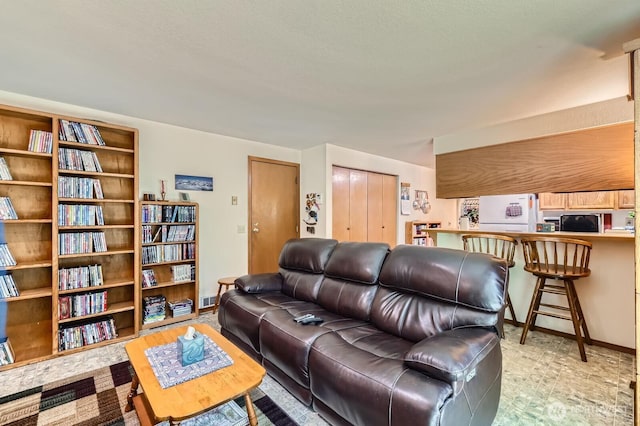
x,y
286,343
241,313
368,389
370,339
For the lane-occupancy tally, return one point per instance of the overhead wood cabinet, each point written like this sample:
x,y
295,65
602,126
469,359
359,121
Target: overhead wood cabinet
x,y
364,206
591,200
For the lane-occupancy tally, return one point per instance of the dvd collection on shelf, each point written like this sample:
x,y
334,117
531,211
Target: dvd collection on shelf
x,y
81,243
7,212
8,286
6,352
80,277
77,159
156,213
168,253
148,278
154,308
72,131
168,233
6,258
80,305
77,214
40,141
79,187
181,307
183,272
72,337
5,174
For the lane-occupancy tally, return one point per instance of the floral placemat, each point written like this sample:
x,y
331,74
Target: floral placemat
x,y
168,368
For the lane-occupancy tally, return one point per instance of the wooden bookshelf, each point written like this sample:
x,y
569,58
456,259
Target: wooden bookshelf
x,y
155,216
417,232
33,238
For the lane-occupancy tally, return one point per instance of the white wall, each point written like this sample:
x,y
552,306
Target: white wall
x,y
313,178
612,111
167,150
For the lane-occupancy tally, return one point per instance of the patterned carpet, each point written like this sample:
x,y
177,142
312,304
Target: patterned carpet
x,y
98,398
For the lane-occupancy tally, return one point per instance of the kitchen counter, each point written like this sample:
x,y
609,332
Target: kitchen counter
x,y
607,296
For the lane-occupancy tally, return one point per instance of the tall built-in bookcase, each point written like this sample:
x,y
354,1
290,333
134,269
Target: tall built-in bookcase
x,y
169,262
74,240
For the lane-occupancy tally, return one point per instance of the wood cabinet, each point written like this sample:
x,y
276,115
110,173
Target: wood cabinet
x,y
591,200
552,201
74,253
364,206
626,199
169,259
417,232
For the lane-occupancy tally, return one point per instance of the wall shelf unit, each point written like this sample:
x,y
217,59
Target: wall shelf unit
x,y
33,173
416,232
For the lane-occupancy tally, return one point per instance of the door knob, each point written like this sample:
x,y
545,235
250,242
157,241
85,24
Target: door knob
x,y
255,227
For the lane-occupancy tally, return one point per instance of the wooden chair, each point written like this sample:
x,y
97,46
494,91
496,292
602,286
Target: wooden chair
x,y
564,260
497,245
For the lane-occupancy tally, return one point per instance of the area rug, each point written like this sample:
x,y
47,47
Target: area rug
x,y
98,398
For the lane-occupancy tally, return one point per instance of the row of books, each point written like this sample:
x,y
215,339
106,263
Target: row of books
x,y
148,278
77,159
40,141
8,286
181,307
6,258
168,233
79,187
86,334
79,305
183,272
80,277
73,131
82,242
78,215
168,253
154,309
6,352
5,174
7,212
156,213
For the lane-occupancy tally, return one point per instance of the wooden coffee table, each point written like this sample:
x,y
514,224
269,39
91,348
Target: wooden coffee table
x,y
193,397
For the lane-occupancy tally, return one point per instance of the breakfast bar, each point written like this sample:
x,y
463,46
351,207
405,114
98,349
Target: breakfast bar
x,y
607,295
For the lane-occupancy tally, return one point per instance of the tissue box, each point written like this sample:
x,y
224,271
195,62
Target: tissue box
x,y
190,351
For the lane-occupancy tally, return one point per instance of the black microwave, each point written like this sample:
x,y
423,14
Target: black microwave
x,y
580,223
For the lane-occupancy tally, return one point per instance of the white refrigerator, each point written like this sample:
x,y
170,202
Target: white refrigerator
x,y
508,213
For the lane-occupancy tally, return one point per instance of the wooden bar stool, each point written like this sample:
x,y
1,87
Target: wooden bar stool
x,y
501,246
564,260
222,282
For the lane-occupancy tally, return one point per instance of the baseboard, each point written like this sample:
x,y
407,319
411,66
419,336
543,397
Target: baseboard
x,y
594,342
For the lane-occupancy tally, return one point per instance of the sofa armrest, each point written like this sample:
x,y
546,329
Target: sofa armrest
x,y
452,356
259,283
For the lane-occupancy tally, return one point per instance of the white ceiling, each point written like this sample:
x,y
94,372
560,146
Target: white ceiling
x,y
379,76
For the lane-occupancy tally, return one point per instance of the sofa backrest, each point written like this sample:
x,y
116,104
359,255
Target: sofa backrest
x,y
351,278
302,263
427,290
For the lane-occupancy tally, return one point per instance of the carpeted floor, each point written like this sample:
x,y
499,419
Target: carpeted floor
x,y
98,398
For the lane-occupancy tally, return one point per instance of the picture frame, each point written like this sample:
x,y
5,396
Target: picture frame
x,y
148,197
194,183
184,196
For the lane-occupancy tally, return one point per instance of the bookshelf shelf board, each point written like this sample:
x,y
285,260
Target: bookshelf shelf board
x,y
80,227
24,183
173,262
170,320
106,285
168,243
85,146
30,294
29,265
92,254
95,200
17,221
168,284
97,174
23,153
123,334
113,308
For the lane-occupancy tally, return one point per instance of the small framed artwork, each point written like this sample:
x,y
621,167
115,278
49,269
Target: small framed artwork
x,y
194,183
149,197
183,196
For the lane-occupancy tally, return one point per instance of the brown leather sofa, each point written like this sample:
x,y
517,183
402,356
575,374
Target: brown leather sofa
x,y
410,336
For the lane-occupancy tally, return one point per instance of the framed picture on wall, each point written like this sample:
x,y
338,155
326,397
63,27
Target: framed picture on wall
x,y
194,183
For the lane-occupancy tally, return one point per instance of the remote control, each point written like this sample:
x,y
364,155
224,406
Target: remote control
x,y
303,317
312,320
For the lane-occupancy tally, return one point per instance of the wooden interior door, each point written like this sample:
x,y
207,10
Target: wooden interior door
x,y
358,205
390,210
374,207
274,211
340,202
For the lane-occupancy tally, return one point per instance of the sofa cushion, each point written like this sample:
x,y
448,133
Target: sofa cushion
x,y
306,254
359,262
